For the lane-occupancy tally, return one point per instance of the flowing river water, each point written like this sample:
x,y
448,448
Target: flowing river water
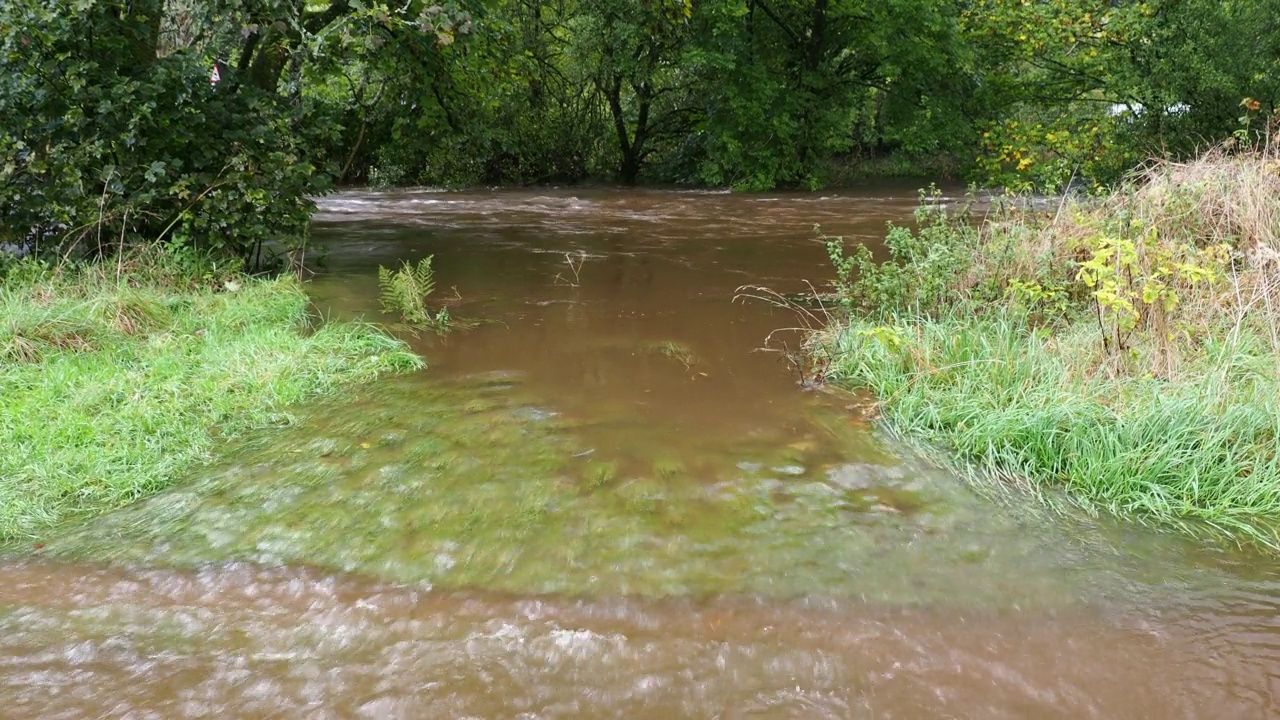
x,y
601,501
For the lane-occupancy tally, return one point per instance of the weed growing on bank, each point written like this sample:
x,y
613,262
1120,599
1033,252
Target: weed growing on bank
x,y
114,381
1122,350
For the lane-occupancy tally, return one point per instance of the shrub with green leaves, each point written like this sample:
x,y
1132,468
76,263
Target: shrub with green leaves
x,y
923,270
110,138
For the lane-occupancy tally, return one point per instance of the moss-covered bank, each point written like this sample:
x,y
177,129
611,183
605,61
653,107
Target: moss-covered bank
x,y
111,389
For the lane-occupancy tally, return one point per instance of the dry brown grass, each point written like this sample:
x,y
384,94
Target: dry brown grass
x,y
1227,197
1223,196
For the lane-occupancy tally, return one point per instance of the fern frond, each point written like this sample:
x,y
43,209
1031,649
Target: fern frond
x,y
424,276
405,291
386,288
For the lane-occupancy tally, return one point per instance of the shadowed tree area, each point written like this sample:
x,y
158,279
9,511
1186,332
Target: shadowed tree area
x,y
210,123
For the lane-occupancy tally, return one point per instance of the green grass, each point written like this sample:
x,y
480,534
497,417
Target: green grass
x,y
1032,408
1120,352
111,391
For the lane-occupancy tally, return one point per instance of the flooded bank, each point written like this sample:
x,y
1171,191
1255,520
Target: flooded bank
x,y
604,501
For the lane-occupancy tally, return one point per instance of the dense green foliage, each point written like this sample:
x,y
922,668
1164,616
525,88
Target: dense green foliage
x,y
761,93
111,134
112,389
112,130
1124,350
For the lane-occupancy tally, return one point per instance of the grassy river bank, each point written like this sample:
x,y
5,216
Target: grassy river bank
x,y
1122,353
111,389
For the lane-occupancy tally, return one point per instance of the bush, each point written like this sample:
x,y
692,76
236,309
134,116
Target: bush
x,y
923,270
1179,250
109,142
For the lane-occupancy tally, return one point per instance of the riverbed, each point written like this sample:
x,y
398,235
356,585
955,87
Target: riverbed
x,y
615,492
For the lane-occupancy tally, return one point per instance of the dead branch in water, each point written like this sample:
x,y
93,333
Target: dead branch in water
x,y
575,262
798,359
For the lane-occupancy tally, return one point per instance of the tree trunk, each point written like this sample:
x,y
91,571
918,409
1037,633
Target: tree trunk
x,y
269,62
630,144
267,52
138,24
810,83
817,35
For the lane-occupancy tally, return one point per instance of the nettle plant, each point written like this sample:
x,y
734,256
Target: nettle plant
x,y
924,268
1139,282
1039,300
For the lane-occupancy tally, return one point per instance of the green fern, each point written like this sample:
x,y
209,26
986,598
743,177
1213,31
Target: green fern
x,y
405,291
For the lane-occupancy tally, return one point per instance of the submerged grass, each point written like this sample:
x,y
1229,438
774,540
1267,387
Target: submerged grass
x,y
1151,392
674,350
111,389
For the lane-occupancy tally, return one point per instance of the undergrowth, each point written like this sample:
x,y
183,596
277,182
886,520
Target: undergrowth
x,y
1122,350
115,381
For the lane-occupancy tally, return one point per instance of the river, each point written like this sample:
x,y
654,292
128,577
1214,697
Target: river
x,y
607,498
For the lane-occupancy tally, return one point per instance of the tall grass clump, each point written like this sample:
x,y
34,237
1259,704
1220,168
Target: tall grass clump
x,y
1120,352
115,381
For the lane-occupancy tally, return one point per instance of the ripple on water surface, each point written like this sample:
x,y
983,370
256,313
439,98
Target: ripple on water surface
x,y
468,486
602,503
480,548
249,642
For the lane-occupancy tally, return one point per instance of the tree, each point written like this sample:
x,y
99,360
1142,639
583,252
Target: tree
x,y
633,50
1083,90
798,83
115,134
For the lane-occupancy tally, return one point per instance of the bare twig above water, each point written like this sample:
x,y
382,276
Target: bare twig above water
x,y
575,262
810,319
810,373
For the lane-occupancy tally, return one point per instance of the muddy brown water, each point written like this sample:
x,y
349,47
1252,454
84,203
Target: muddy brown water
x,y
603,501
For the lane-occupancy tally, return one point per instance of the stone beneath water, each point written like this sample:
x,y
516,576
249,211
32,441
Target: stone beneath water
x,y
534,414
498,381
855,476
